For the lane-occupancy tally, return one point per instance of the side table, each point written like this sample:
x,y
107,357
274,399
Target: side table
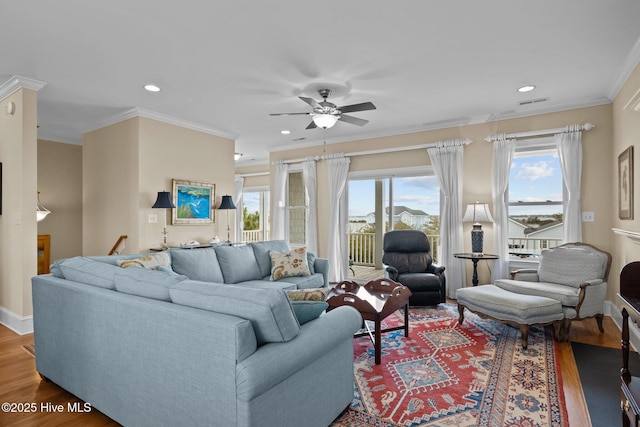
x,y
475,258
375,301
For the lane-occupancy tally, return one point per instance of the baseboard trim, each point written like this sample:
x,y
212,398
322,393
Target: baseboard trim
x,y
21,325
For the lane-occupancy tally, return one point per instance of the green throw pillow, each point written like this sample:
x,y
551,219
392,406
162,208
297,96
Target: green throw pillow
x,y
308,310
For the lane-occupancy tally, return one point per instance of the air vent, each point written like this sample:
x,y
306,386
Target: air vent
x,y
299,139
533,101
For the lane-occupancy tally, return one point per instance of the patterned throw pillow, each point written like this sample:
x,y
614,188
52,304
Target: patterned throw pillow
x,y
152,262
289,264
316,294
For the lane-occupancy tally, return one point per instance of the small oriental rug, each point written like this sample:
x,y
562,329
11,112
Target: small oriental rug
x,y
445,374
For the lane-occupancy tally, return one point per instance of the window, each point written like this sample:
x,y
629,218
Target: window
x,y
296,209
382,201
535,198
255,214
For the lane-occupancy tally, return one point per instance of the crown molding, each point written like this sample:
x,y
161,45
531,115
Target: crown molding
x,y
627,67
447,124
19,82
165,118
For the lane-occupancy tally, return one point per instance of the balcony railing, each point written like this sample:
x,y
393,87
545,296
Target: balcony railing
x,y
253,236
362,247
528,246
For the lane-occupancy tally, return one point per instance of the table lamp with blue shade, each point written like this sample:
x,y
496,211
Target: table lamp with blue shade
x,y
477,212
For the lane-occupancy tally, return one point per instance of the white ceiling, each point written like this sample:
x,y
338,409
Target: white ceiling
x,y
223,66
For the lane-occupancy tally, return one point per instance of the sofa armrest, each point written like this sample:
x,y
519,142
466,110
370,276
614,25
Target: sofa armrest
x,y
391,272
591,298
273,363
526,274
321,265
436,269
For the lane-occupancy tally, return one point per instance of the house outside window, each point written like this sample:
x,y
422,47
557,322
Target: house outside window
x,y
535,198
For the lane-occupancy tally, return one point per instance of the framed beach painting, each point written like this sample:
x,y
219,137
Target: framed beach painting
x,y
194,202
625,184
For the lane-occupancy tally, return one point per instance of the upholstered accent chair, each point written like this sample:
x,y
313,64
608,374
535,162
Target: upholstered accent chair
x,y
407,260
574,274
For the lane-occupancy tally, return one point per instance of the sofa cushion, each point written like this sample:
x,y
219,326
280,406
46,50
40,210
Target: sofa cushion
x,y
197,264
95,273
268,310
267,284
238,263
572,265
146,283
567,295
150,261
261,251
306,311
318,294
291,263
304,282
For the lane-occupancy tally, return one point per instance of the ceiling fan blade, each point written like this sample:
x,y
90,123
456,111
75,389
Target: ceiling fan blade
x,y
312,125
288,114
353,120
310,101
357,107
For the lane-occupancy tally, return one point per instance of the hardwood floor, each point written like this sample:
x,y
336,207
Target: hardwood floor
x,y
21,384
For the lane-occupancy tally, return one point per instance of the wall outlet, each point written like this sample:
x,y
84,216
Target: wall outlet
x,y
153,218
588,216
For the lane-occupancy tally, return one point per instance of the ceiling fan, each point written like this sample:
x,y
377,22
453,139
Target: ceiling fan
x,y
325,114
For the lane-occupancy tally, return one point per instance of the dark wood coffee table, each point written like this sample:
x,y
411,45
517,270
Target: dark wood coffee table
x,y
375,301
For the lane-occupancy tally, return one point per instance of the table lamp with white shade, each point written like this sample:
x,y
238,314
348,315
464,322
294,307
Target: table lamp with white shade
x,y
477,212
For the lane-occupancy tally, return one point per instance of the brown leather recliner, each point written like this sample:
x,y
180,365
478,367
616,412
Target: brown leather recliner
x,y
407,260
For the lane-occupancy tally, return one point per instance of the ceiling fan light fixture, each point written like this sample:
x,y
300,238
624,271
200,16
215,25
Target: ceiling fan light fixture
x,y
325,121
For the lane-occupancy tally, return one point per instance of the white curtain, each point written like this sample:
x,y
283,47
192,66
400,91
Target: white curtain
x,y
338,242
447,164
239,184
570,150
309,178
279,201
502,157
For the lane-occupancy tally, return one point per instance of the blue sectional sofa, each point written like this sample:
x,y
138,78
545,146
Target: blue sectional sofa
x,y
173,347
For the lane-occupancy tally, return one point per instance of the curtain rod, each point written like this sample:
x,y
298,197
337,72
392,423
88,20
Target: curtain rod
x,y
570,128
382,150
245,175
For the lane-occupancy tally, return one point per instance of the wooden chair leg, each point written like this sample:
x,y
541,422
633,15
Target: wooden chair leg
x,y
524,331
460,314
600,319
566,329
557,330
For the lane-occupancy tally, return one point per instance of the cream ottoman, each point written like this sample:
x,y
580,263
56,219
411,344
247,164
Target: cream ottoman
x,y
492,302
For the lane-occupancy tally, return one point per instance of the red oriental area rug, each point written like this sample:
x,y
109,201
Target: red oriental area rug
x,y
445,374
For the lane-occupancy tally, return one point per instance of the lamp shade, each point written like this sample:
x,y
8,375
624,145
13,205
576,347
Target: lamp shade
x,y
227,203
325,121
163,200
477,212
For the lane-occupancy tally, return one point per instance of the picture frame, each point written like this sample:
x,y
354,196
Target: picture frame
x,y
194,201
625,184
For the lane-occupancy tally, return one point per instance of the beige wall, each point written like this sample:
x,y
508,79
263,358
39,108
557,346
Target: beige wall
x,y
597,167
18,245
626,132
124,167
256,175
60,186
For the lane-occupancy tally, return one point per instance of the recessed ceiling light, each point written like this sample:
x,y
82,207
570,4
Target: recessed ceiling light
x,y
152,88
285,132
527,88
